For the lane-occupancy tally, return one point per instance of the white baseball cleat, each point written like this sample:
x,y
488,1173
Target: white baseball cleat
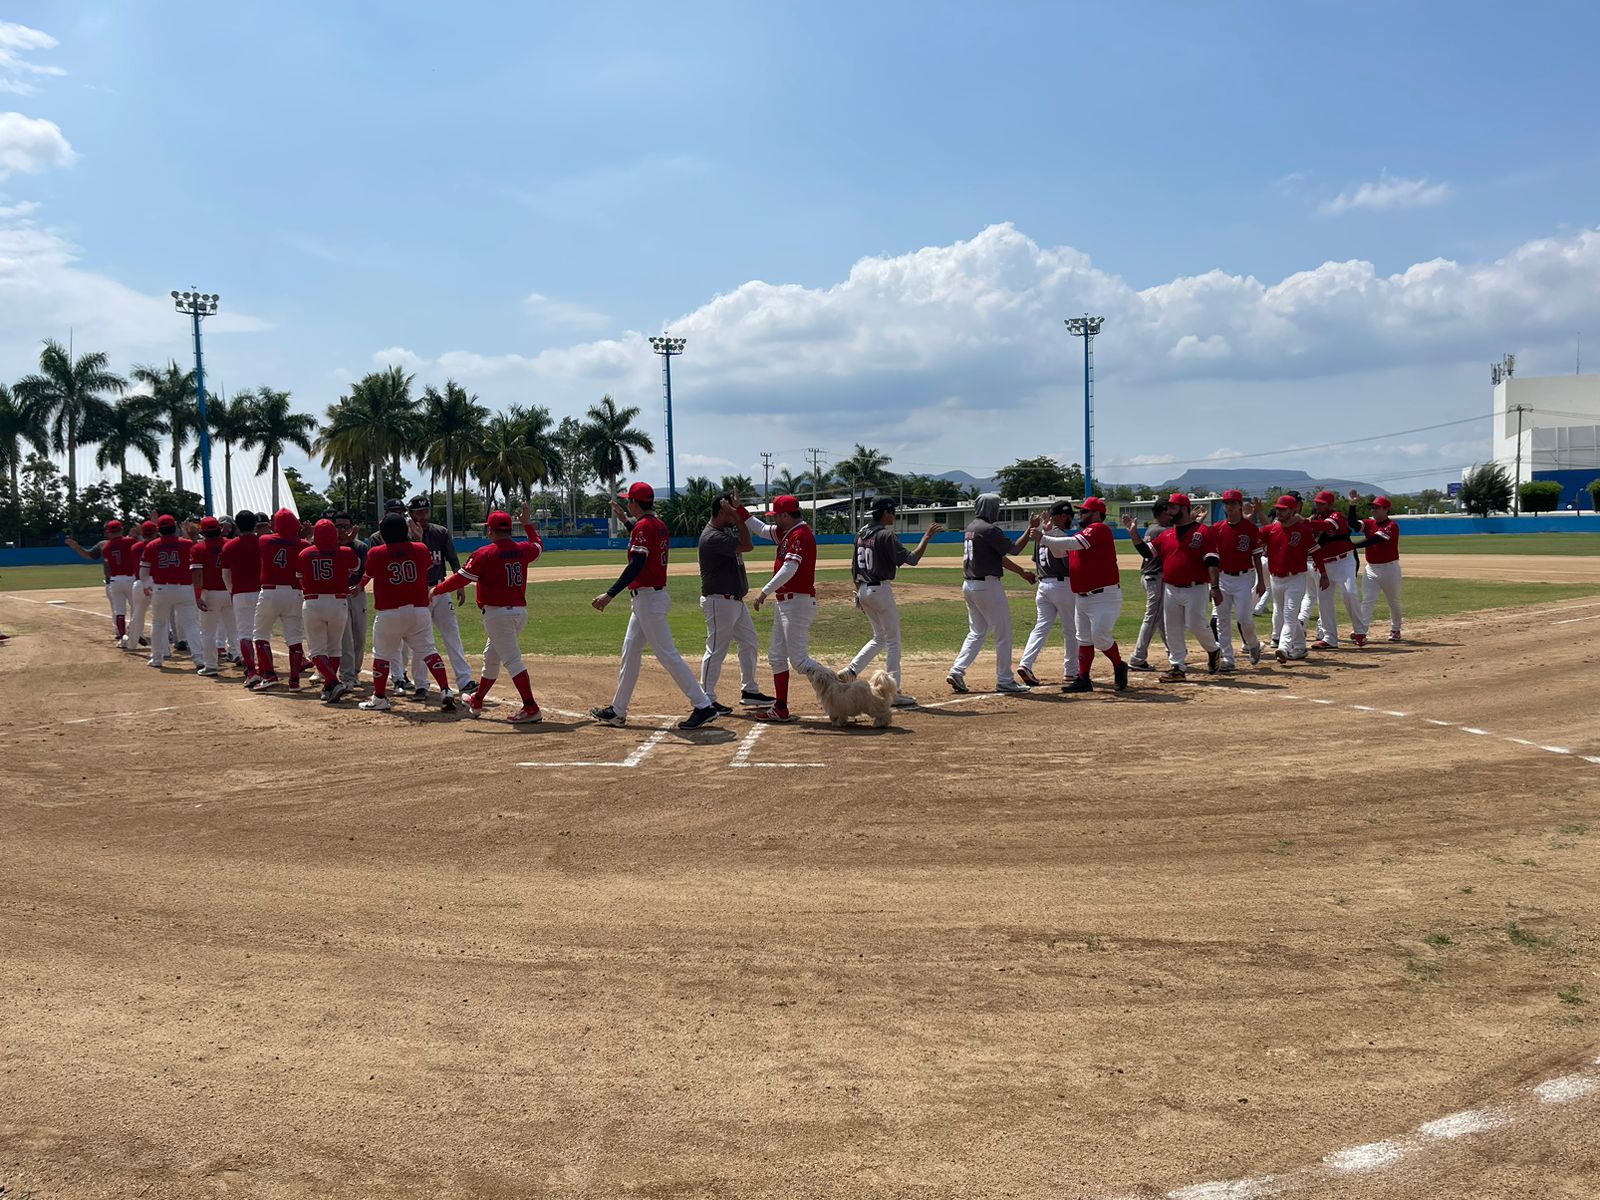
x,y
208,672
122,643
447,701
1011,687
526,715
376,704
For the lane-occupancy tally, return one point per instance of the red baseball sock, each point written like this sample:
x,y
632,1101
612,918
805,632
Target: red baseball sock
x,y
1114,654
324,668
524,689
484,685
247,651
780,687
297,662
264,659
122,626
1085,658
380,676
435,666
222,653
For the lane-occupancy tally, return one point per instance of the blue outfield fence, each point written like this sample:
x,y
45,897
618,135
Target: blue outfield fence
x,y
1586,522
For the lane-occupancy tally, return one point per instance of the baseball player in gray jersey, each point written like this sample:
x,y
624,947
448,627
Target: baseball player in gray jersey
x,y
879,554
1150,576
723,586
1053,601
984,564
442,609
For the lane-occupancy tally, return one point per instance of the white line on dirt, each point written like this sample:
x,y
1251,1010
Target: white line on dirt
x,y
640,753
1436,721
1565,1090
59,604
1373,1156
1575,620
1461,1124
1474,729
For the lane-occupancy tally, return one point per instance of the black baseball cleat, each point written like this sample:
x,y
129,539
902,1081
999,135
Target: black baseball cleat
x,y
756,699
699,717
722,709
144,641
1119,672
606,715
182,647
1080,684
1027,677
469,687
1213,661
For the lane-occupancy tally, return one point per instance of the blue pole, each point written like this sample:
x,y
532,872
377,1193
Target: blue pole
x,y
1088,420
666,375
205,424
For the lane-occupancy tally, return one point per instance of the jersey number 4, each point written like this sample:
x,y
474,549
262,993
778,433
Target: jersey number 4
x,y
280,558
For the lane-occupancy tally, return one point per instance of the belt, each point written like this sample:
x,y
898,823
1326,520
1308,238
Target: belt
x,y
1287,574
1335,558
1095,592
647,588
1236,574
719,596
279,587
329,596
792,595
983,578
879,583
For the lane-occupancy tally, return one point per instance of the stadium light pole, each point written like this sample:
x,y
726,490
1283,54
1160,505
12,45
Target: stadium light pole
x,y
1086,327
666,346
196,305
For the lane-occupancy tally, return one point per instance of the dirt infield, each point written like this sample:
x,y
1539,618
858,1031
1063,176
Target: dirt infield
x,y
1098,947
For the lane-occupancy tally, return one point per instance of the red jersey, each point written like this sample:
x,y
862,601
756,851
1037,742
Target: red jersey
x,y
1237,544
242,556
168,559
649,539
1288,545
1383,541
280,560
326,572
207,555
1093,566
399,574
1339,527
118,554
798,546
500,570
1186,552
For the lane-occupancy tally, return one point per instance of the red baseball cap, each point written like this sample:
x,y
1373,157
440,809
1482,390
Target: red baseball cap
x,y
1179,498
1233,494
113,526
499,520
784,504
1325,497
1382,502
147,527
1285,502
1092,504
166,521
210,525
642,493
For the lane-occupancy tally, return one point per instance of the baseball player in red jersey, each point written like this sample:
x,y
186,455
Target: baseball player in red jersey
x,y
500,571
324,569
398,572
1096,591
210,596
140,604
241,576
1190,578
280,599
794,588
1290,540
1335,559
645,579
164,574
116,551
1243,579
1382,545
1053,601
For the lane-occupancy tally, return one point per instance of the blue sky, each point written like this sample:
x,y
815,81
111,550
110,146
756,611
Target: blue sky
x,y
1305,223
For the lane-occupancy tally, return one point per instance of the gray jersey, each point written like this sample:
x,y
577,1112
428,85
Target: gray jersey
x,y
441,550
722,570
1051,566
360,547
985,549
879,552
1152,566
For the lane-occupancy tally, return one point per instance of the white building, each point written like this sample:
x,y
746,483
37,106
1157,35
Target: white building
x,y
1559,421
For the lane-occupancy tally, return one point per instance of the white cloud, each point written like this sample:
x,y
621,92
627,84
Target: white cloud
x,y
17,70
704,461
1388,192
1151,460
398,356
562,313
31,145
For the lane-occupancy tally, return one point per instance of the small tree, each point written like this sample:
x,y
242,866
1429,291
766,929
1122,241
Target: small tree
x,y
1540,495
1594,494
1042,476
1486,489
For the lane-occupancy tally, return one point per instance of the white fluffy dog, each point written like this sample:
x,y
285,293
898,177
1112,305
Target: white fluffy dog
x,y
844,699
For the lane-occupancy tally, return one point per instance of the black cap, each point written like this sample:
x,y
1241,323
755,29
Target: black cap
x,y
245,519
1061,508
393,506
393,529
884,504
420,502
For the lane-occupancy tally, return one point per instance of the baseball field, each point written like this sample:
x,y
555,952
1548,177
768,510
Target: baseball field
x,y
1330,929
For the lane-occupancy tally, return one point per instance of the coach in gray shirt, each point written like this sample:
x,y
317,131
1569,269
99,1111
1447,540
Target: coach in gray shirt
x,y
723,585
1150,576
984,562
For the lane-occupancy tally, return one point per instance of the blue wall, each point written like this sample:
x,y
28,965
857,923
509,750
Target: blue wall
x,y
1574,486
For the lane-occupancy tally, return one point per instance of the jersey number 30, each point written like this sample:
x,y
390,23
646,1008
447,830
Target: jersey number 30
x,y
401,572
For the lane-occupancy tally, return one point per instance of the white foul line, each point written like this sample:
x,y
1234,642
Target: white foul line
x,y
741,756
640,753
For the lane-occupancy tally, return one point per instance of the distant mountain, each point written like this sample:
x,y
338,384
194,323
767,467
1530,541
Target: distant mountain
x,y
969,481
1259,480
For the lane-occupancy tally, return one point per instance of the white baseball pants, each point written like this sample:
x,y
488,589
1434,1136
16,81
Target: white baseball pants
x,y
138,606
325,618
244,618
279,605
119,591
648,630
883,614
447,631
503,650
1238,604
791,633
988,612
1187,608
1097,618
1384,577
1054,602
354,643
1308,603
1341,585
397,631
1154,615
1288,594
172,602
218,609
728,623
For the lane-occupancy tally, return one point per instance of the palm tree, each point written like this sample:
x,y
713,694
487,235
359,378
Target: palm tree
x,y
788,483
274,428
230,425
132,423
741,486
20,427
66,394
377,424
505,461
172,394
539,432
451,423
862,470
613,441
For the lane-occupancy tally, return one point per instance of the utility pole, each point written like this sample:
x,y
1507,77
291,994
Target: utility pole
x,y
816,455
1516,485
766,474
